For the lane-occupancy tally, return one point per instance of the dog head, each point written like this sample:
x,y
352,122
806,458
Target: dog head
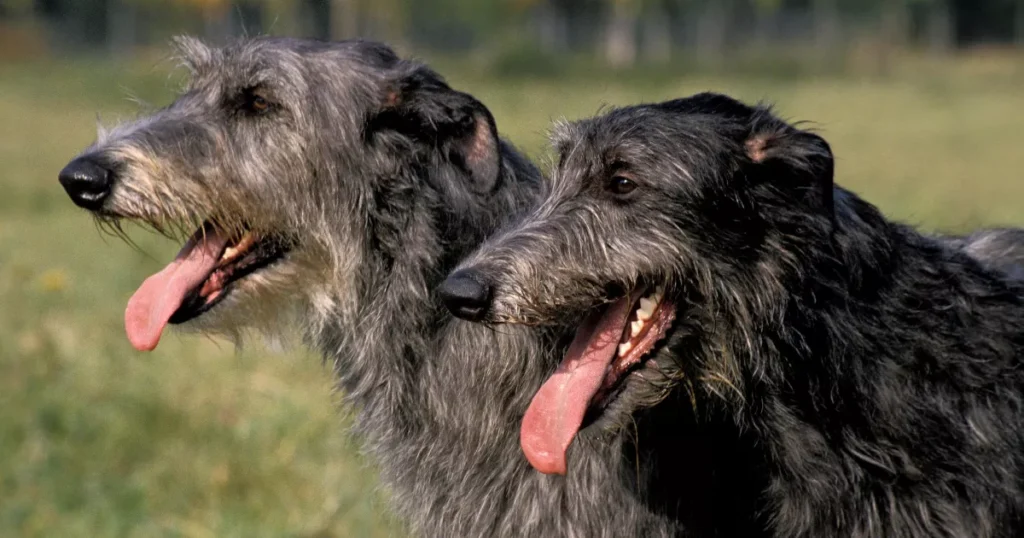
x,y
659,217
290,169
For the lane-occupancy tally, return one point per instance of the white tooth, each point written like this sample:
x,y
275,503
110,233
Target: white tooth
x,y
635,328
624,348
646,309
246,240
242,245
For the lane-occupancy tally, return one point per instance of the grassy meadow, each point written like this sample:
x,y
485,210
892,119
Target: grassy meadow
x,y
198,439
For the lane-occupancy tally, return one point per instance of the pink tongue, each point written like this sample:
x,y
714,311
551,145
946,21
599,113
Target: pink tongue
x,y
161,295
557,410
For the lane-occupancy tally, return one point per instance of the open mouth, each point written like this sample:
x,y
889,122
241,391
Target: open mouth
x,y
201,275
610,345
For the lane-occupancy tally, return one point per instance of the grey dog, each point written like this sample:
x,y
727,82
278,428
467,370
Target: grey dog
x,y
330,187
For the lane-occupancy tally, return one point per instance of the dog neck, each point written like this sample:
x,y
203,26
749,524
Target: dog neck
x,y
439,400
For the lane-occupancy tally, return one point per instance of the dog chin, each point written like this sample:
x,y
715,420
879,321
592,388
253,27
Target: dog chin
x,y
260,304
643,388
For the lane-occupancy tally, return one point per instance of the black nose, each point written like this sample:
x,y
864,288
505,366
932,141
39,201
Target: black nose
x,y
86,181
465,295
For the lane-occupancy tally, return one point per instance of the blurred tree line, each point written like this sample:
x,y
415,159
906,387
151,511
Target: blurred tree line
x,y
621,32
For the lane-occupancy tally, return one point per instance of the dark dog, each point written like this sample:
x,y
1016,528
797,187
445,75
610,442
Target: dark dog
x,y
713,264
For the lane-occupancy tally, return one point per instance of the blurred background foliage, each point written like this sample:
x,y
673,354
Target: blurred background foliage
x,y
533,34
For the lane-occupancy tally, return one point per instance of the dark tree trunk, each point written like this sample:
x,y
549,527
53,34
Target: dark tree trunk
x,y
894,33
316,18
826,26
711,30
657,26
1018,24
344,19
940,28
552,28
122,25
246,18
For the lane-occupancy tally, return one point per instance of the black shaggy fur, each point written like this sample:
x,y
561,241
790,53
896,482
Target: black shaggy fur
x,y
874,374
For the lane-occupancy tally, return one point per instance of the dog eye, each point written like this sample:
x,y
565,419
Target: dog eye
x,y
621,185
259,104
253,102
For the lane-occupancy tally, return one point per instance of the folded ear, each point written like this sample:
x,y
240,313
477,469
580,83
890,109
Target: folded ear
x,y
799,159
421,106
193,54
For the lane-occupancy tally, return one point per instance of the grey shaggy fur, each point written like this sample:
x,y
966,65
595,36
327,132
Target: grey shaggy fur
x,y
1000,248
871,375
379,177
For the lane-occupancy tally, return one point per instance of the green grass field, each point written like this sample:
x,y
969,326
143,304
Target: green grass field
x,y
198,439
